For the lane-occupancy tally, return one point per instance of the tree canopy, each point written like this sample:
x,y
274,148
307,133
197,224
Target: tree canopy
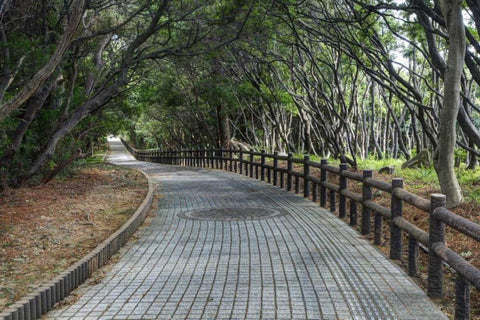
x,y
346,79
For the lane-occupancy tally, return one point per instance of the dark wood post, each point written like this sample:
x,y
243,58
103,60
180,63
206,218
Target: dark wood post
x,y
436,235
343,184
225,159
199,157
231,159
323,178
275,168
396,207
353,213
314,192
262,165
462,297
251,164
332,201
240,159
220,155
306,174
413,248
212,158
289,170
366,195
215,158
282,178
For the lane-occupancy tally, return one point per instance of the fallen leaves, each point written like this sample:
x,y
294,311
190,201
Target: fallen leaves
x,y
45,229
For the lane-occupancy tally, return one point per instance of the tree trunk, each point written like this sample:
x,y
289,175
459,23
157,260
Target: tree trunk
x,y
444,155
45,72
34,105
223,127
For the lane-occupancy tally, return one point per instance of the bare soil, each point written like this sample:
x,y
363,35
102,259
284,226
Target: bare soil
x,y
47,228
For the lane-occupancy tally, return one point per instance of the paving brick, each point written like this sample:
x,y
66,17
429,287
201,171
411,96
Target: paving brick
x,y
296,261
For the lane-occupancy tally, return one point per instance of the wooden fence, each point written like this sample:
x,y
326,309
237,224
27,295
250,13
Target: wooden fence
x,y
279,170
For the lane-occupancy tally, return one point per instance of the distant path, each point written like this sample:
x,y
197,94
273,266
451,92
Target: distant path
x,y
223,246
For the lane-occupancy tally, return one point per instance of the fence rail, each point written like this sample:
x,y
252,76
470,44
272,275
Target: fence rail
x,y
279,170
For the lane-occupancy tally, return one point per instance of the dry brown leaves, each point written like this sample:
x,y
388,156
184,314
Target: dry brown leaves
x,y
45,229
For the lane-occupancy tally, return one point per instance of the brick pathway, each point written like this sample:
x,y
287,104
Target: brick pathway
x,y
259,253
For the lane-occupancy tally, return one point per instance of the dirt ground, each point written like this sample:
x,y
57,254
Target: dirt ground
x,y
45,229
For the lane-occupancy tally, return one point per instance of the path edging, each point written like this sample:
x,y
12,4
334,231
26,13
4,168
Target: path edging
x,y
42,300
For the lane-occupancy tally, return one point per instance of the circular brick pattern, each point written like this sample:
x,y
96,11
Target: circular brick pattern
x,y
232,214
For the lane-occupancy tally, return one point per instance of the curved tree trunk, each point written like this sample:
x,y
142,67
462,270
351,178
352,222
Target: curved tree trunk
x,y
46,71
444,158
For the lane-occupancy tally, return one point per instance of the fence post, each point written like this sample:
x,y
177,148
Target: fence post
x,y
343,184
377,229
220,155
306,174
462,297
366,195
262,166
323,178
231,159
332,201
396,207
282,178
353,213
314,191
275,168
240,159
197,158
289,169
436,235
251,164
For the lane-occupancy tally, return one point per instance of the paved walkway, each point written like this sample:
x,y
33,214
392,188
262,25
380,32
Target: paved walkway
x,y
223,246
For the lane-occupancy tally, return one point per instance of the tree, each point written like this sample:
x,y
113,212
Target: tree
x,y
444,155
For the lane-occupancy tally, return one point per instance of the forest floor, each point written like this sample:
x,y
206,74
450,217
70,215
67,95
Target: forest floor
x,y
47,228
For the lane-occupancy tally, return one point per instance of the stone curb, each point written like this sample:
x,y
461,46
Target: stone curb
x,y
42,300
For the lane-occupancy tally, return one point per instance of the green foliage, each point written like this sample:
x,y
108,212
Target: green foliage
x,y
375,164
